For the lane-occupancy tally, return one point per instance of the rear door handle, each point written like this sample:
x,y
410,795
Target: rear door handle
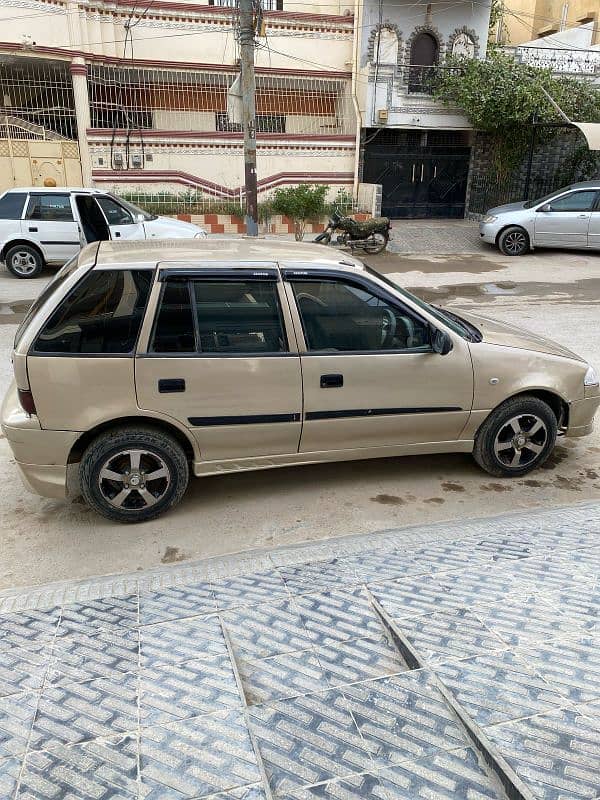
x,y
166,385
331,381
32,230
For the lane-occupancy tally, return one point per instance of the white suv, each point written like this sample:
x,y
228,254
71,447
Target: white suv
x,y
41,226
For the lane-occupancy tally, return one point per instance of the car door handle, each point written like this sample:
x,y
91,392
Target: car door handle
x,y
166,385
331,381
117,234
32,230
583,216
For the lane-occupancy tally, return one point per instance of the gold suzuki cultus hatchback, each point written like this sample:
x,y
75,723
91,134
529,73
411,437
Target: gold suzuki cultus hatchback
x,y
141,362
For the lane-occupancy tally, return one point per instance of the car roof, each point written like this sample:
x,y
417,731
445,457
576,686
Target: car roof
x,y
175,252
55,190
584,185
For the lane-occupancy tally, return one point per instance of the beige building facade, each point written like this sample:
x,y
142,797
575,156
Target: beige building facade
x,y
525,20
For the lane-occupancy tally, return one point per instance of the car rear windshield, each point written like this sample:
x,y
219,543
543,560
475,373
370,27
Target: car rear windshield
x,y
55,284
102,314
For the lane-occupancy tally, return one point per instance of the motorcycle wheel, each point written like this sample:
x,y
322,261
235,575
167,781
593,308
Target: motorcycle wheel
x,y
376,243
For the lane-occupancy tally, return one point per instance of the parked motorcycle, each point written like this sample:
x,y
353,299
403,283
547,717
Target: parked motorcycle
x,y
371,236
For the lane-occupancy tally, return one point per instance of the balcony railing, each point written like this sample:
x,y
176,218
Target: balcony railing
x,y
560,61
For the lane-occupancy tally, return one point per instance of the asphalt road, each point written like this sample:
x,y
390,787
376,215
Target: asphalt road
x,y
556,294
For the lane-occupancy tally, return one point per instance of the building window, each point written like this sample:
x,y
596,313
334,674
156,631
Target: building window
x,y
265,123
424,54
268,5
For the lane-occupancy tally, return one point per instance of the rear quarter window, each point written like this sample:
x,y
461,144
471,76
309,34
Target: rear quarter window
x,y
102,315
11,205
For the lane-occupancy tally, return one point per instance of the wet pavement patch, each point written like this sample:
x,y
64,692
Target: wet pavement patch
x,y
463,667
582,292
14,313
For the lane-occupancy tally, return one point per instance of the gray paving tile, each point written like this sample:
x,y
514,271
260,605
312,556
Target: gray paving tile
x,y
197,758
17,712
79,712
556,754
23,667
176,602
171,642
98,770
307,740
338,615
411,596
255,792
187,689
580,601
529,619
403,718
376,566
544,573
501,547
9,775
570,668
279,677
449,636
21,628
77,657
457,775
266,629
248,589
480,586
109,614
351,787
498,687
447,557
359,659
318,575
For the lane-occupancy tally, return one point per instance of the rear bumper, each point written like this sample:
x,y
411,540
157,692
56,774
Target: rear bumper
x,y
581,416
47,480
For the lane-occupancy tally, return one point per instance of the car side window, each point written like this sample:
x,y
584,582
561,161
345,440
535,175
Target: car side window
x,y
101,315
11,205
114,213
174,326
575,201
339,316
212,316
50,208
238,317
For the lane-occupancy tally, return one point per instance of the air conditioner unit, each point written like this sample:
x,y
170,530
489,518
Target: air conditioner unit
x,y
382,116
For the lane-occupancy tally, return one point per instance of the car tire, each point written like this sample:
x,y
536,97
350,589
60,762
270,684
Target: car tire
x,y
516,438
24,261
115,470
514,241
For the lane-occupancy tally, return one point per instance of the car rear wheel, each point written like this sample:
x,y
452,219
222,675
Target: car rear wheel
x,y
133,474
516,438
24,261
514,241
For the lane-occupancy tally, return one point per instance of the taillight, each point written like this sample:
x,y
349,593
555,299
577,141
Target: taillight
x,y
27,402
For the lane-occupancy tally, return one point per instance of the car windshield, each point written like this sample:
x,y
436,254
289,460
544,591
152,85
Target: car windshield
x,y
135,210
546,198
453,321
56,282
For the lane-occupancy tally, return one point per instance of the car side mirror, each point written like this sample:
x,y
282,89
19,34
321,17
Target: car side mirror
x,y
545,208
139,218
441,343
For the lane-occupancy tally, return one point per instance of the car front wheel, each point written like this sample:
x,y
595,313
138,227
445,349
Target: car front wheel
x,y
514,241
516,438
24,261
133,474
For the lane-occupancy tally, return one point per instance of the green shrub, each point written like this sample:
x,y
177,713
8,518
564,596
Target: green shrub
x,y
301,204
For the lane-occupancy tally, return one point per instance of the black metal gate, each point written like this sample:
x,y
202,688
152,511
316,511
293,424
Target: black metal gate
x,y
422,174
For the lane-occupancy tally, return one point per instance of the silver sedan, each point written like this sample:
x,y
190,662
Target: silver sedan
x,y
569,217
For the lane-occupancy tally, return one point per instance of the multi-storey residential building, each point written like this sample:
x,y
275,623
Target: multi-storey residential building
x,y
525,20
133,95
416,149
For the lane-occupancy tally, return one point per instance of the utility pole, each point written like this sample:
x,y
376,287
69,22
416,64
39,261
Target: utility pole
x,y
249,113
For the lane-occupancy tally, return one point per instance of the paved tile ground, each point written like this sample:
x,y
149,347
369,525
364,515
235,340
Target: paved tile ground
x,y
280,676
436,236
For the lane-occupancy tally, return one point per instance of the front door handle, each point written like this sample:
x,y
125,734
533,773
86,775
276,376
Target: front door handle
x,y
166,385
117,234
32,230
331,381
